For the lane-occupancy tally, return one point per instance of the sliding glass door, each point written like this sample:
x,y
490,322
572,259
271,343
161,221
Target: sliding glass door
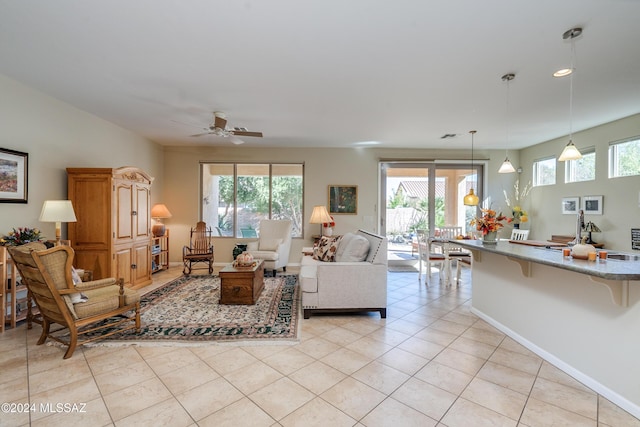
x,y
424,196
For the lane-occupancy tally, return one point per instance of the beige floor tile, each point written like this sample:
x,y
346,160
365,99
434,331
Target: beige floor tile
x,y
168,413
78,392
391,413
422,348
47,380
460,318
389,336
487,336
551,373
404,361
262,352
172,360
252,378
317,347
242,413
472,347
436,336
140,396
529,364
317,377
208,398
444,377
189,376
381,377
425,398
288,361
346,361
464,413
404,326
612,415
281,398
369,347
366,325
113,358
93,414
461,361
123,377
497,398
566,397
510,378
153,351
510,344
540,414
317,413
230,361
16,389
341,336
420,318
353,397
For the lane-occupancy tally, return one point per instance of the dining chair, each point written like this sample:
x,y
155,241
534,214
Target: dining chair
x,y
428,255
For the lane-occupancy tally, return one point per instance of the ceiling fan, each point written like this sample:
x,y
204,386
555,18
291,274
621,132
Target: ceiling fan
x,y
219,128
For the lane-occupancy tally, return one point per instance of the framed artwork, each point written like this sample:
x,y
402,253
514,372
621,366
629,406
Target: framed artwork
x,y
343,199
570,205
592,205
13,176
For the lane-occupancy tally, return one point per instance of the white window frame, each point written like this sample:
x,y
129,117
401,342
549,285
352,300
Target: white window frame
x,y
537,172
571,167
613,156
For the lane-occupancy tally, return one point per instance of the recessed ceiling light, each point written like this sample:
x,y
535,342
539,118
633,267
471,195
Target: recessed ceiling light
x,y
563,72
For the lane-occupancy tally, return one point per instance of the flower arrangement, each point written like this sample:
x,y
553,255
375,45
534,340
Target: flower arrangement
x,y
518,215
21,236
489,221
329,224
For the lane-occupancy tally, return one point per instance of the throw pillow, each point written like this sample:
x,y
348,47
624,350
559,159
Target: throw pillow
x,y
355,250
269,244
75,276
327,248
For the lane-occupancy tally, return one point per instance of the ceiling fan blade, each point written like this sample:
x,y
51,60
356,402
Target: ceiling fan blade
x,y
246,133
220,122
201,134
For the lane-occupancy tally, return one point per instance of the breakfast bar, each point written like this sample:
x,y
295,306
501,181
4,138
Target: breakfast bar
x,y
582,316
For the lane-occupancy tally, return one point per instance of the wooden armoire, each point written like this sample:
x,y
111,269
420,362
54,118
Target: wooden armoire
x,y
112,235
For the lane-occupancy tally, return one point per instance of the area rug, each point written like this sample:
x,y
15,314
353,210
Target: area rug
x,y
186,311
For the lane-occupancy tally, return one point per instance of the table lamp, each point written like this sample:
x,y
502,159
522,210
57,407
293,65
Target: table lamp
x,y
57,211
319,216
590,227
158,212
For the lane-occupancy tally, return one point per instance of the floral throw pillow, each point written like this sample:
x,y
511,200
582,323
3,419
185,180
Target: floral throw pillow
x,y
326,248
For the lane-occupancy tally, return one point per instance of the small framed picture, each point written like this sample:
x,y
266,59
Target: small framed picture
x,y
592,205
570,205
14,173
343,199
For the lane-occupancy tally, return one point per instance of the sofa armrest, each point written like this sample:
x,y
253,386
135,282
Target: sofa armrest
x,y
351,284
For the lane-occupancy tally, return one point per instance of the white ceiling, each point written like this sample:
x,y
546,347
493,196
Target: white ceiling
x,y
330,73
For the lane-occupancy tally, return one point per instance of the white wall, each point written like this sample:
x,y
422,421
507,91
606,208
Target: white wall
x,y
57,135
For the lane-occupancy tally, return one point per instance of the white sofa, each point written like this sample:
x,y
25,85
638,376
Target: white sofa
x,y
347,286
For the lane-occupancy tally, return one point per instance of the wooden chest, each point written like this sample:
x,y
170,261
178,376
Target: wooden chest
x,y
241,285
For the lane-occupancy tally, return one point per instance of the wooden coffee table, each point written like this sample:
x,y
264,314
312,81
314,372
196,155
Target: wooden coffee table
x,y
241,285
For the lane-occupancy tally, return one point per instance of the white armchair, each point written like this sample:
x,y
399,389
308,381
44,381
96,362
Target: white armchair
x,y
273,244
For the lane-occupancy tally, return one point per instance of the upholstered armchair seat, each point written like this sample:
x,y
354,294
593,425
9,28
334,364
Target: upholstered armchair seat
x,y
273,244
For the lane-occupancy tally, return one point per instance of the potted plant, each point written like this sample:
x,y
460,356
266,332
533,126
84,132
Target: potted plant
x,y
489,223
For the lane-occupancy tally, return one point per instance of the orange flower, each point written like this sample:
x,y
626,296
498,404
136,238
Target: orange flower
x,y
489,221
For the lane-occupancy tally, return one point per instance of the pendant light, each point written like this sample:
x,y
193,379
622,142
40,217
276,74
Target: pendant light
x,y
570,152
471,199
507,167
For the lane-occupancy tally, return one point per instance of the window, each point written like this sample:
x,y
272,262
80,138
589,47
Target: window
x,y
583,169
544,172
236,196
624,157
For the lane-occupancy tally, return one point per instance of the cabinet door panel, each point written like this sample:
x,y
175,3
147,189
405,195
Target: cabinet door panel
x,y
142,256
124,208
122,264
143,199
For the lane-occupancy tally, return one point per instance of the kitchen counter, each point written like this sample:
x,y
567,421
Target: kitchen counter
x,y
562,310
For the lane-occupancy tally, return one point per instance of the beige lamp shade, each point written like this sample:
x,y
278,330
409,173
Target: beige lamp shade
x,y
158,212
58,211
320,215
570,152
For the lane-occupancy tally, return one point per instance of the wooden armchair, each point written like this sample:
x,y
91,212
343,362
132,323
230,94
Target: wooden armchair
x,y
200,249
83,308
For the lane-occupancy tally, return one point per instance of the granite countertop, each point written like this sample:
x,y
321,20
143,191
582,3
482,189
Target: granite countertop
x,y
610,269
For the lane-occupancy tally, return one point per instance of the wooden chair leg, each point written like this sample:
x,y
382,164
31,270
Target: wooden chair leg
x,y
45,331
73,341
137,317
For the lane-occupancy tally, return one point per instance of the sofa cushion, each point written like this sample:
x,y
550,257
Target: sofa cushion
x,y
327,248
353,248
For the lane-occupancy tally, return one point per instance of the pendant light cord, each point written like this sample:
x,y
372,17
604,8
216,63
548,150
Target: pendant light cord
x,y
573,67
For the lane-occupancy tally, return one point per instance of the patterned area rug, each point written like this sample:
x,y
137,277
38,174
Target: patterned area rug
x,y
186,310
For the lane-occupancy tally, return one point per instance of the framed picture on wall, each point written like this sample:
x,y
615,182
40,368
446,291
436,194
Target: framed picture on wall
x,y
13,176
592,205
343,199
570,205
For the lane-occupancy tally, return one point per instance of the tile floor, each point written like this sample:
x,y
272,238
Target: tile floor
x,y
430,363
